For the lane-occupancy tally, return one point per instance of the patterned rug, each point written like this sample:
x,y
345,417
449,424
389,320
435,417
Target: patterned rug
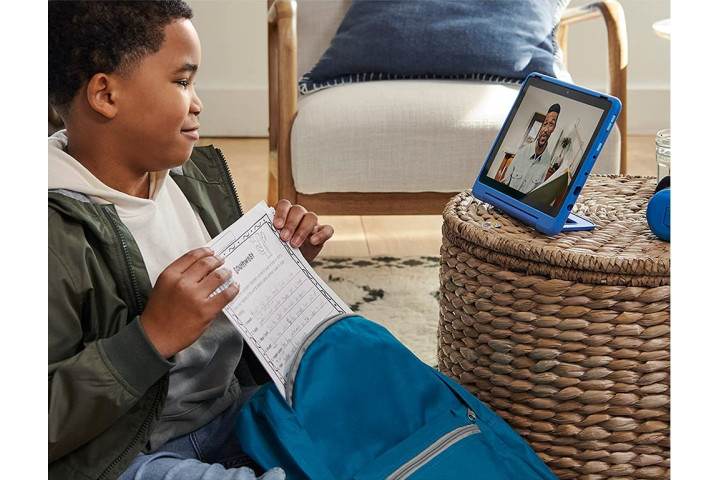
x,y
400,293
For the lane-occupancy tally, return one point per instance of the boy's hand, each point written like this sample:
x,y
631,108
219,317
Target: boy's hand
x,y
180,308
301,229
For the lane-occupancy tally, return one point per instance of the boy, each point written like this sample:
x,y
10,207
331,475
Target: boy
x,y
145,375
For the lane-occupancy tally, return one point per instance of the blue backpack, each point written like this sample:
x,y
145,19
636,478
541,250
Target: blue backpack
x,y
362,406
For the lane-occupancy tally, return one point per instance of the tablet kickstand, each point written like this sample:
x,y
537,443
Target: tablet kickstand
x,y
576,222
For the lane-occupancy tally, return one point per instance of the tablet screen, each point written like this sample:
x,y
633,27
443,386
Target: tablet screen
x,y
542,145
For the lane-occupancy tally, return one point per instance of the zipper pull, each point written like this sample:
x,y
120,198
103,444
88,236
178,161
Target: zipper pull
x,y
471,416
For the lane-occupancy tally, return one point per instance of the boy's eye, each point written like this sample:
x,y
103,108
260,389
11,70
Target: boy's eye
x,y
184,83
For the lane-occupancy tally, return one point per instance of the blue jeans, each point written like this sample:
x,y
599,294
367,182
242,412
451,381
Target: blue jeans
x,y
211,452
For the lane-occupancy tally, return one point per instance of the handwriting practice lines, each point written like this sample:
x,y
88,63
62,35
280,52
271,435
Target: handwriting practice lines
x,y
281,298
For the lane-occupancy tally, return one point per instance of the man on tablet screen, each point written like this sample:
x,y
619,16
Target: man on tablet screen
x,y
528,168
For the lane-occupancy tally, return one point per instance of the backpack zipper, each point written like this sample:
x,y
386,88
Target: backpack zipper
x,y
436,448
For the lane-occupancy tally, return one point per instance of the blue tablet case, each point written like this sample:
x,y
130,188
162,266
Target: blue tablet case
x,y
555,219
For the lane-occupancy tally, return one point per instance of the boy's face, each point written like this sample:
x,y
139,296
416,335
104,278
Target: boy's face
x,y
159,110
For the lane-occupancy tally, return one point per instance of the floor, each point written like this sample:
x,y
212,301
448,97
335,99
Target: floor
x,y
397,235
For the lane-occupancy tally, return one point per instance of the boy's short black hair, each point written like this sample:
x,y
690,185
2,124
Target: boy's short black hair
x,y
89,37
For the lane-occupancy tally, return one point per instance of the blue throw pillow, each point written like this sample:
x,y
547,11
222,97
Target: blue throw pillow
x,y
495,40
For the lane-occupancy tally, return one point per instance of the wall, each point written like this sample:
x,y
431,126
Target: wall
x,y
648,62
232,82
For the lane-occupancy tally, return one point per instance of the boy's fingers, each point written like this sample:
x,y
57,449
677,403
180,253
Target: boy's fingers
x,y
294,217
219,301
204,266
183,263
281,211
321,235
213,280
305,228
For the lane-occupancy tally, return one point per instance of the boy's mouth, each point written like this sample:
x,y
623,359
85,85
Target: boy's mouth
x,y
192,133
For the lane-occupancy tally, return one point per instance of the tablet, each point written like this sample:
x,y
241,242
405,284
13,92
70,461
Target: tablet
x,y
545,151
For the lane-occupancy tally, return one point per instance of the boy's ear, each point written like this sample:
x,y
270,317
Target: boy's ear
x,y
102,94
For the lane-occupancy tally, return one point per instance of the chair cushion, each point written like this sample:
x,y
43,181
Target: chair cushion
x,y
493,40
378,136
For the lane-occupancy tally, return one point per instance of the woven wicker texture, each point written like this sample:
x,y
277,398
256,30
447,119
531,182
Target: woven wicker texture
x,y
565,337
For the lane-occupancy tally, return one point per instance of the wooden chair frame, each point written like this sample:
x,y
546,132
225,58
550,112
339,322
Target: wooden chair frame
x,y
282,70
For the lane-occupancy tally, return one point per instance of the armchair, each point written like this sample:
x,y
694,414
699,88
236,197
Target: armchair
x,y
400,146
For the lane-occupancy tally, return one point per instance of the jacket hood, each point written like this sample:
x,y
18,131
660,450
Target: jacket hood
x,y
66,173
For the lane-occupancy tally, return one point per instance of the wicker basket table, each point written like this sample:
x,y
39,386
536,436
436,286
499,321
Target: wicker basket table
x,y
565,337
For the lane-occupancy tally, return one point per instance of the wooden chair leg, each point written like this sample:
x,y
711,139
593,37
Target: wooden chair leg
x,y
614,17
272,191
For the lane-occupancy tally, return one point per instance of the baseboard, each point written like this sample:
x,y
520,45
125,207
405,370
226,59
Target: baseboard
x,y
648,110
234,112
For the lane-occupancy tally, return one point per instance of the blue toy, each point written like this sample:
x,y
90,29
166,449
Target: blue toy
x,y
658,210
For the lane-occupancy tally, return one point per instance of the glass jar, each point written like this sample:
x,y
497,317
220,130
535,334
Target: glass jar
x,y
662,153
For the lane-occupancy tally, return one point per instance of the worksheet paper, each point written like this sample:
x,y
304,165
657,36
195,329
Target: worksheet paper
x,y
281,298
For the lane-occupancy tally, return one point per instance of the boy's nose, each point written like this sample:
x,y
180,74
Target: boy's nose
x,y
196,105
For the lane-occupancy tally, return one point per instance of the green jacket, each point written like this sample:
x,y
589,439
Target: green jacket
x,y
106,383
